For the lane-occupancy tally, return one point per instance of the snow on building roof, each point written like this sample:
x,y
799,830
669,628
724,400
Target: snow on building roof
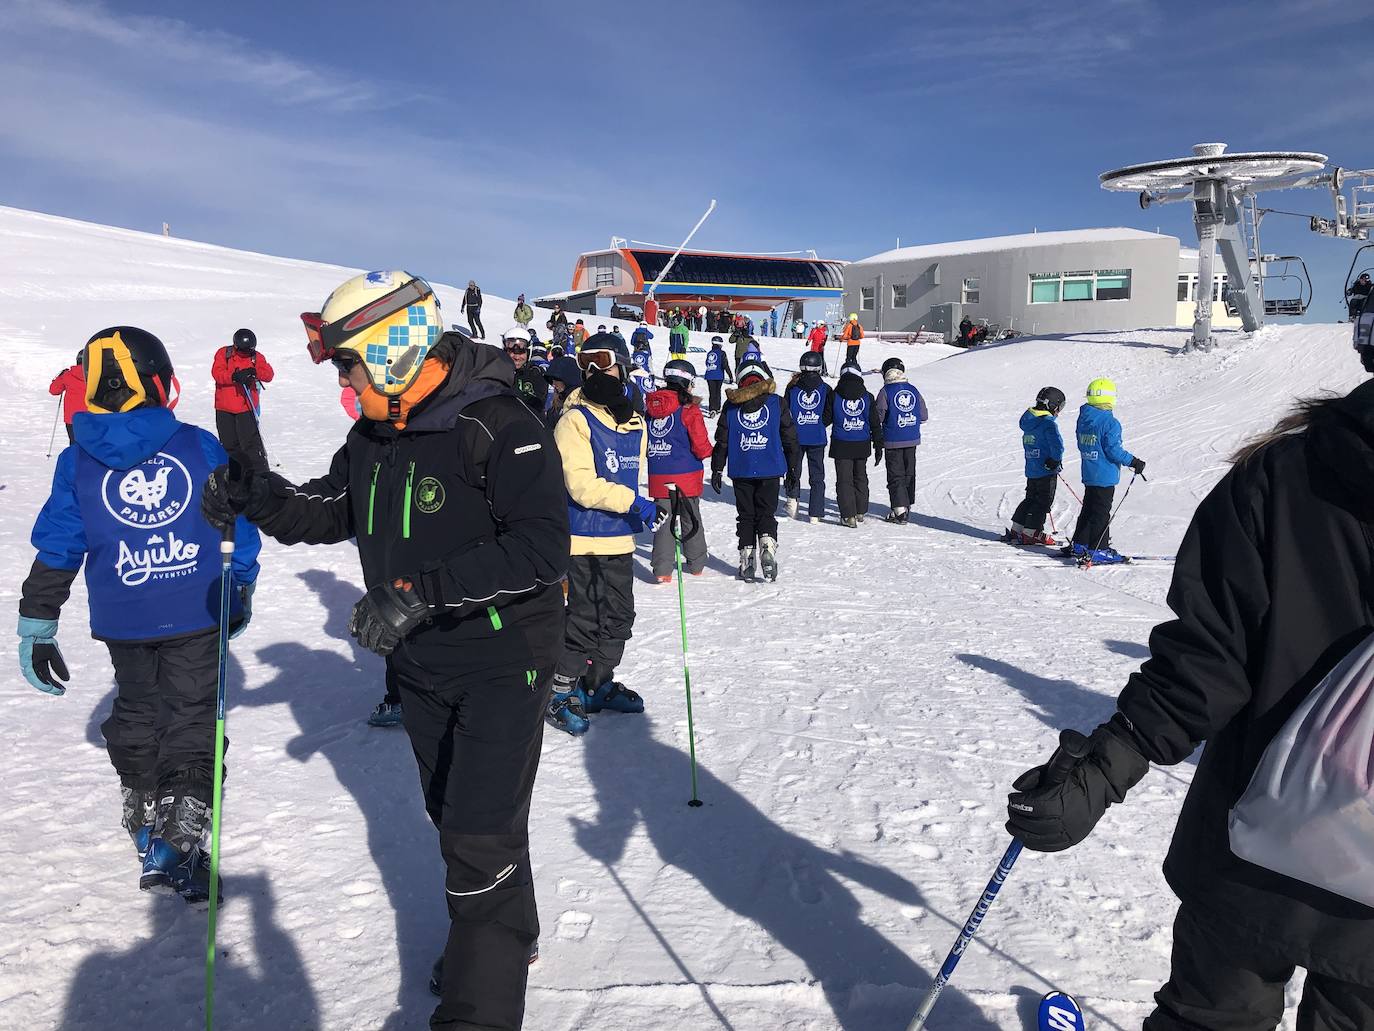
x,y
1008,243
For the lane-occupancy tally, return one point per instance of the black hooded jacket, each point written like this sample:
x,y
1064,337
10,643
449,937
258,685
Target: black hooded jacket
x,y
851,387
1274,584
467,502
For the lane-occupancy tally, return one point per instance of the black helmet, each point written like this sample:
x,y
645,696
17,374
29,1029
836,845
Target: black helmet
x,y
811,362
245,340
681,370
893,363
81,356
1050,399
126,368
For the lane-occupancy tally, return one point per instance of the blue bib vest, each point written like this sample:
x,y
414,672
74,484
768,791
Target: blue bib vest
x,y
152,562
616,458
849,418
902,419
756,441
641,360
714,369
670,447
806,406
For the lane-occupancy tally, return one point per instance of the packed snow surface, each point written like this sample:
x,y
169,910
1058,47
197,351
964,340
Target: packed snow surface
x,y
858,722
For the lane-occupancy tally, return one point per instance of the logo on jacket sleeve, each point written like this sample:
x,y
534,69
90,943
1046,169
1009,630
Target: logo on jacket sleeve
x,y
429,495
151,494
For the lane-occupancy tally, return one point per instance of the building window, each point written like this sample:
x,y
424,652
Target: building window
x,y
1114,284
1044,287
899,295
1184,282
866,298
1078,286
969,293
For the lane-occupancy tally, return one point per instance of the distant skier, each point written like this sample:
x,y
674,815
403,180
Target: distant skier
x,y
1099,446
809,399
757,442
238,370
125,503
851,442
579,335
899,411
816,341
524,314
1270,592
564,377
1358,295
472,308
798,329
603,445
558,318
717,373
70,384
678,337
678,444
852,336
530,382
1044,448
641,370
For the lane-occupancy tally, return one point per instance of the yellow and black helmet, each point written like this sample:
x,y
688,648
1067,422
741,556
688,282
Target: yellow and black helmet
x,y
126,368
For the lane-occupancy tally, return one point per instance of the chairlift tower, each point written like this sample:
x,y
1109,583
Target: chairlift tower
x,y
1219,186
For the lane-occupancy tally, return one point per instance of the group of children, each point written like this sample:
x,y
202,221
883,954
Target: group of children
x,y
1103,456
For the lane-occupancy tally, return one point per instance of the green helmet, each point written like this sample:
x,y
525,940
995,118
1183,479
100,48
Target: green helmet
x,y
1102,393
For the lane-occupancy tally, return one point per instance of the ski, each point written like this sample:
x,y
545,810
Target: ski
x,y
1059,1012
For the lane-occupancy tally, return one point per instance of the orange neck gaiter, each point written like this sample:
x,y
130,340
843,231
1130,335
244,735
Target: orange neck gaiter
x,y
377,406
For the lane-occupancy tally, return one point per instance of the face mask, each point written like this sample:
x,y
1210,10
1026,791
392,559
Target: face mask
x,y
603,389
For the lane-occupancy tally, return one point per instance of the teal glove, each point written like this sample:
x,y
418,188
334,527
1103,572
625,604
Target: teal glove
x,y
246,601
40,660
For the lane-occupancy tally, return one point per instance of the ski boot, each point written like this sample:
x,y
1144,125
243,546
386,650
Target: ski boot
x,y
746,565
385,714
860,517
612,695
664,579
1010,536
436,972
768,558
1101,557
175,861
1043,539
792,508
1072,550
567,709
849,521
897,515
140,816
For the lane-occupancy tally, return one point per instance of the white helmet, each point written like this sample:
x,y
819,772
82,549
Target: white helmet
x,y
389,320
517,333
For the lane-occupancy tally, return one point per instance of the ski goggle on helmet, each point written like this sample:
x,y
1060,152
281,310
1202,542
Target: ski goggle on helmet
x,y
127,368
387,321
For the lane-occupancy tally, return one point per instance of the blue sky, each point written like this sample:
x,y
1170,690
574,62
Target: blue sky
x,y
496,141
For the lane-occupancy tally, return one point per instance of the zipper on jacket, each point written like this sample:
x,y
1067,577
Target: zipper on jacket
x,y
372,495
405,516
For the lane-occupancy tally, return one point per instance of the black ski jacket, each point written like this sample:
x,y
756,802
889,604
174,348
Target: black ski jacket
x,y
850,388
467,502
1274,584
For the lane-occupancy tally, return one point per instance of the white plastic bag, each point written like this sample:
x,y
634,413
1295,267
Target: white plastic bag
x,y
1308,812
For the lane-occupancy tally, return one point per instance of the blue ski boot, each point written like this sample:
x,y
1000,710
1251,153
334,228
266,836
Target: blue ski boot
x,y
615,696
140,815
175,862
568,710
1101,557
385,714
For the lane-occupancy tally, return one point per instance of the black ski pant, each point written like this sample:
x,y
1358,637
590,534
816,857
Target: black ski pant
x,y
161,730
851,353
71,436
600,616
475,323
756,509
1031,513
815,480
1222,980
663,560
476,734
901,476
713,390
239,433
393,690
851,486
1091,530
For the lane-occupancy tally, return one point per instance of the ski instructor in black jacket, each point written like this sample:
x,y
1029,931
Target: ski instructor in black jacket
x,y
1274,584
454,491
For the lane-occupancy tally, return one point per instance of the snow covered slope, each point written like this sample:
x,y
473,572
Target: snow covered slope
x,y
858,722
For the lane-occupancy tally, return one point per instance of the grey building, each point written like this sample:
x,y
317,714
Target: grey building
x,y
1063,282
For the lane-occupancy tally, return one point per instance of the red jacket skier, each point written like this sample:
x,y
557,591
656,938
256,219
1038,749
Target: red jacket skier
x,y
238,369
71,384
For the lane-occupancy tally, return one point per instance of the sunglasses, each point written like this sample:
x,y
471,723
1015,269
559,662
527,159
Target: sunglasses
x,y
324,338
344,362
603,360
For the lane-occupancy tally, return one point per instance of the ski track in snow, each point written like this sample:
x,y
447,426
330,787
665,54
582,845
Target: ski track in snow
x,y
858,723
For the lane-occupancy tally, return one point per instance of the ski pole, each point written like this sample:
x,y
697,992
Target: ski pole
x,y
1112,517
257,418
226,581
1072,493
1072,747
675,514
53,435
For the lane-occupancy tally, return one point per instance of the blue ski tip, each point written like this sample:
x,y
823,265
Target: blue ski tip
x,y
1058,1012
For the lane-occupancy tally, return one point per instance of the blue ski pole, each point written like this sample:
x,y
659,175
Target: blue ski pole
x,y
226,586
1072,747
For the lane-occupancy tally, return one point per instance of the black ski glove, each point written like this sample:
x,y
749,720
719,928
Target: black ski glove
x,y
792,484
386,615
717,478
227,493
245,377
877,456
1138,466
1053,464
1051,819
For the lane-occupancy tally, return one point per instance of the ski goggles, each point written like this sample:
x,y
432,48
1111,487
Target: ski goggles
x,y
602,360
516,346
324,338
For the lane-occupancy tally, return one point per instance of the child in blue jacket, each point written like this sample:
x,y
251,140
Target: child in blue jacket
x,y
1100,447
125,503
1044,449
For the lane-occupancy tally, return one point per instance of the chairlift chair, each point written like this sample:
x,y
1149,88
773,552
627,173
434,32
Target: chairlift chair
x,y
1295,282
